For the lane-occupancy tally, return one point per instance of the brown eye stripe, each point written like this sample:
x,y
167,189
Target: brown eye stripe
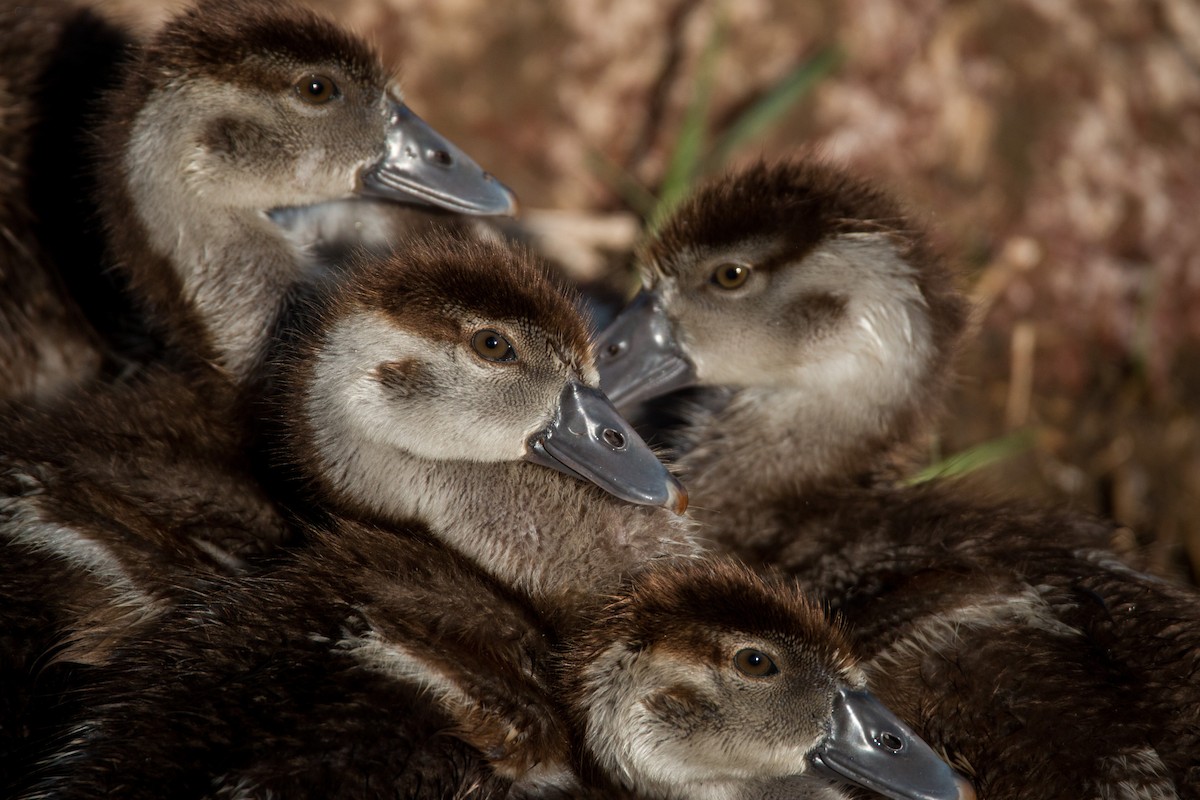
x,y
799,204
489,281
403,377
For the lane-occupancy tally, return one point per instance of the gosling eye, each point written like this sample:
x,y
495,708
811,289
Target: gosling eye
x,y
491,345
317,89
754,663
730,275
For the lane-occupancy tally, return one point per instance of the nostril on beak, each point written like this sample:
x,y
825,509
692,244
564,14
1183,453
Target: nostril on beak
x,y
890,741
440,157
615,350
614,439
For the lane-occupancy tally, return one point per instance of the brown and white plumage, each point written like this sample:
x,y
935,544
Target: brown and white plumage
x,y
704,680
985,623
391,412
187,144
375,661
107,498
386,378
372,662
832,340
218,124
151,533
120,488
406,654
208,130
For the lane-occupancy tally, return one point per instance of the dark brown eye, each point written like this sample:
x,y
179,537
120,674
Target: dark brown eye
x,y
754,663
316,89
730,276
491,345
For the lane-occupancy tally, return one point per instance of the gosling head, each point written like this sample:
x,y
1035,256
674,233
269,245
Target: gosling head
x,y
706,680
455,352
792,277
259,106
235,118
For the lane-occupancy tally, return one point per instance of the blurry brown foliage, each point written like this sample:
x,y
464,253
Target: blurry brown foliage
x,y
1052,145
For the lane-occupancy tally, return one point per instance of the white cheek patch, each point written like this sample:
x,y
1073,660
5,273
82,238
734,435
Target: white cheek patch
x,y
325,175
455,420
166,144
638,748
233,265
876,360
876,354
889,329
310,165
884,301
868,328
617,722
164,147
209,218
357,439
346,410
154,161
391,448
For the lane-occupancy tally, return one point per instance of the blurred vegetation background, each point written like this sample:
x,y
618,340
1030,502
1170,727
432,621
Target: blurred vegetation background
x,y
1053,147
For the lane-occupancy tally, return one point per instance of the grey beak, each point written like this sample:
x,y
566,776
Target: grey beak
x,y
420,164
590,441
639,357
868,745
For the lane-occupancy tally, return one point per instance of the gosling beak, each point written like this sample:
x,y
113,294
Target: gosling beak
x,y
869,746
639,357
590,441
421,164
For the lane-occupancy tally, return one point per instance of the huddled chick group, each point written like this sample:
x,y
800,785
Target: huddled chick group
x,y
303,494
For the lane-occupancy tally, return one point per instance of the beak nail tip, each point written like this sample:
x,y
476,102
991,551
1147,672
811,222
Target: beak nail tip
x,y
679,501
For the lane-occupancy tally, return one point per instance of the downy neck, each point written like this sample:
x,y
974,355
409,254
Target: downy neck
x,y
763,444
213,271
555,537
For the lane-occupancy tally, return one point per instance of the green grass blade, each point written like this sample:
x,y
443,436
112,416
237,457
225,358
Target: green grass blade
x,y
777,101
977,457
686,156
621,182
